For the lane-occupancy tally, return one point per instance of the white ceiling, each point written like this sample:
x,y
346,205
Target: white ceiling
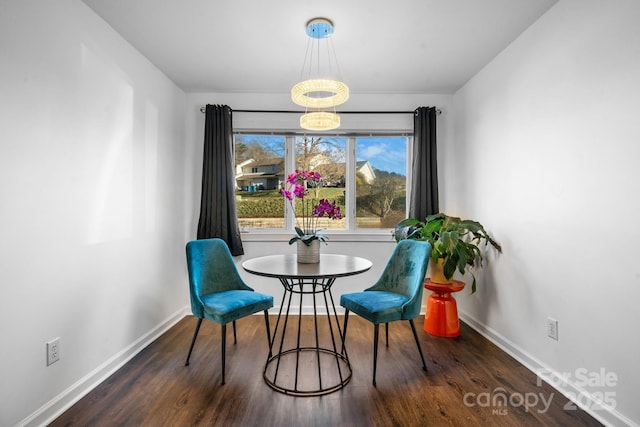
x,y
408,46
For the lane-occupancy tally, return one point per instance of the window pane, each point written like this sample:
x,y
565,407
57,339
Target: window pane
x,y
259,174
325,155
381,183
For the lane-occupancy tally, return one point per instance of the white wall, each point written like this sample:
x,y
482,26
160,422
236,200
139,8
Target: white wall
x,y
375,248
546,151
92,179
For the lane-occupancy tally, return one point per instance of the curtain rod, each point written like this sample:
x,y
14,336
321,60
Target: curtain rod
x,y
438,111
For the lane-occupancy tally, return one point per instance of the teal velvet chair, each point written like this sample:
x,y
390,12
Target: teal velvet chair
x,y
217,291
397,295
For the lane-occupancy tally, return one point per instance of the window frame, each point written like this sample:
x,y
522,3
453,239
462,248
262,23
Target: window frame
x,y
350,233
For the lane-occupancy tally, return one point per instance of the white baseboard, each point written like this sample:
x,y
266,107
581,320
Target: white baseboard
x,y
56,406
566,386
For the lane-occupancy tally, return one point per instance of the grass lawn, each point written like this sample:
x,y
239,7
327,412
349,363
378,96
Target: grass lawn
x,y
270,204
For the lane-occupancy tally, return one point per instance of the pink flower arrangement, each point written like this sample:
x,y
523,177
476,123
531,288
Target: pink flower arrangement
x,y
296,186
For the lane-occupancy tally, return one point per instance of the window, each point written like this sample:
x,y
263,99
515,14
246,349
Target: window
x,y
381,181
260,172
365,175
327,156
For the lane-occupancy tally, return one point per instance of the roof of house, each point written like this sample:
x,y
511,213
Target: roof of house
x,y
265,162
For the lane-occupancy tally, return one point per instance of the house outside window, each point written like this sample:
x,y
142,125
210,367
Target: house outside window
x,y
365,175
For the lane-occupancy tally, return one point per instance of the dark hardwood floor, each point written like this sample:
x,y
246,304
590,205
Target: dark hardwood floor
x,y
468,379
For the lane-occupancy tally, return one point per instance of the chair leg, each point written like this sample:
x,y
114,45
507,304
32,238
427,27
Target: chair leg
x,y
193,341
344,329
224,345
235,340
415,335
266,324
386,327
376,330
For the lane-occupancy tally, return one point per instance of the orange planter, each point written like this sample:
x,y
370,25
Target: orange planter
x,y
441,318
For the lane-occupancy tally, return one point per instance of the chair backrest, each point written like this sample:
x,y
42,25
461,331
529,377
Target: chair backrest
x,y
211,269
405,273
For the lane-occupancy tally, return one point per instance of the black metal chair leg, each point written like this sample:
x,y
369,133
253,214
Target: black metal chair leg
x,y
376,331
344,329
266,324
386,327
224,345
235,340
193,341
415,335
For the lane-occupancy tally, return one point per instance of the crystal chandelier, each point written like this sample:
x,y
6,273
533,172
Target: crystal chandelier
x,y
319,91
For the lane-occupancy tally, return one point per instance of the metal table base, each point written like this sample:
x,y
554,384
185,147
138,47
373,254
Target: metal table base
x,y
327,360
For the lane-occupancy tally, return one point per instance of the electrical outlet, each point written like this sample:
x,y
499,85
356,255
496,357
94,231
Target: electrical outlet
x,y
53,351
552,328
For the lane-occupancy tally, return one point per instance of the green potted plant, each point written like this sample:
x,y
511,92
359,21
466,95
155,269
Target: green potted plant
x,y
454,242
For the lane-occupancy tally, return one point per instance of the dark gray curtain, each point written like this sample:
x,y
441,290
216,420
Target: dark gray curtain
x,y
218,213
424,182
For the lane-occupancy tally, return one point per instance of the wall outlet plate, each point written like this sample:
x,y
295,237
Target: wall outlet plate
x,y
552,328
53,351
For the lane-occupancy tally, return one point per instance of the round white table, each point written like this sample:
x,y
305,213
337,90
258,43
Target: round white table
x,y
324,351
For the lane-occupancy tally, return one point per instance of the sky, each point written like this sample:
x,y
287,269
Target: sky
x,y
385,153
